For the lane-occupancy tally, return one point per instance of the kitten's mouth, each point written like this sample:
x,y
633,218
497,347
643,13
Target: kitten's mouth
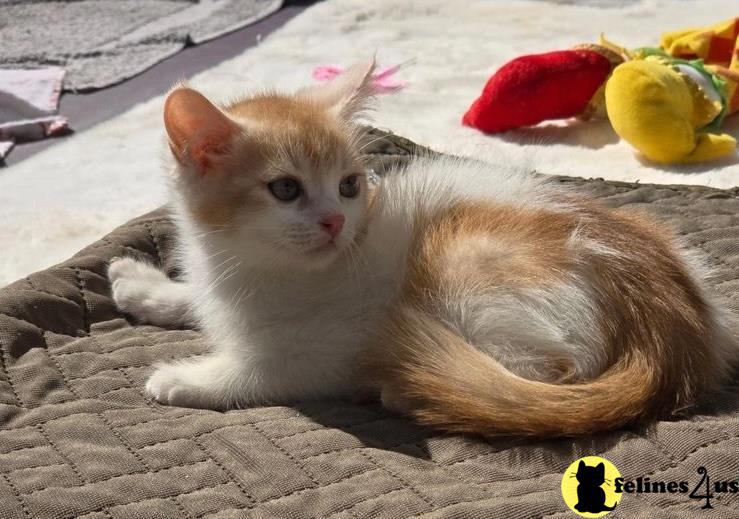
x,y
326,247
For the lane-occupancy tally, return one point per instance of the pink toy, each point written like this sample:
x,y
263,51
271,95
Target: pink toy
x,y
381,79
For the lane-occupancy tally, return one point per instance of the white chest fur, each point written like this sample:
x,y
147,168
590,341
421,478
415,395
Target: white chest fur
x,y
299,334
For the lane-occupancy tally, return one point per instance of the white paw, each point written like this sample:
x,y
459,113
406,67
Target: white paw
x,y
166,387
132,282
144,292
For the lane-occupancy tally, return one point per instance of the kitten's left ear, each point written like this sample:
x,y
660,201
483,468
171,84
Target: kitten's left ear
x,y
348,95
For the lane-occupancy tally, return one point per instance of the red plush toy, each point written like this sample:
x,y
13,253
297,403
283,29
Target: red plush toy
x,y
535,88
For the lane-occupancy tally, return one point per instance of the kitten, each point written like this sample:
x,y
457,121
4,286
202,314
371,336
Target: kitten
x,y
474,298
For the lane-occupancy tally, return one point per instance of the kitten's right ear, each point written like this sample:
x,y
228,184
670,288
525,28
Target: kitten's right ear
x,y
348,95
199,133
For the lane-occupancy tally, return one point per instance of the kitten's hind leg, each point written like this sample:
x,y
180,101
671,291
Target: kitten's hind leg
x,y
147,294
212,382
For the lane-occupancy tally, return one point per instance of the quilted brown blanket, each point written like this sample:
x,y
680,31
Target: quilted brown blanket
x,y
78,438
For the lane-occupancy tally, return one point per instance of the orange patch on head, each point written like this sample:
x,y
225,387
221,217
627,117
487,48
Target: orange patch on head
x,y
296,127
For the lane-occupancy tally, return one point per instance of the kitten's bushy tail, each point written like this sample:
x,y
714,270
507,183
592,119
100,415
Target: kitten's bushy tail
x,y
447,383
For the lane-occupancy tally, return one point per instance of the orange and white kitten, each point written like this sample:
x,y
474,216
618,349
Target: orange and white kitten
x,y
474,298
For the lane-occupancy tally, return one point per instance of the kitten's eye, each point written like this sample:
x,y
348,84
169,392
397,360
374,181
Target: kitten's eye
x,y
349,187
285,189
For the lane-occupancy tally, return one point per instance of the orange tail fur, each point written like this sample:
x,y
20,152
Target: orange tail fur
x,y
445,382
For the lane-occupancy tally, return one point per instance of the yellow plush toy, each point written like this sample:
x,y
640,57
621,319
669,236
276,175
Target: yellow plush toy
x,y
669,103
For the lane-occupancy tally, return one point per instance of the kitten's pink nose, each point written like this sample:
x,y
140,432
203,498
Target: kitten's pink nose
x,y
333,224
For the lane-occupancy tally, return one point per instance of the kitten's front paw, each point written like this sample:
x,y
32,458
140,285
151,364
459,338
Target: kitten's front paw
x,y
131,284
167,387
145,292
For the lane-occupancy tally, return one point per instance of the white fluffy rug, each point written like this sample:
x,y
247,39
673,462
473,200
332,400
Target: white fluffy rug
x,y
53,204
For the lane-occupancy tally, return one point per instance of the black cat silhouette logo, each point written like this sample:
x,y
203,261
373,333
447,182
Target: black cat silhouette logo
x,y
587,486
